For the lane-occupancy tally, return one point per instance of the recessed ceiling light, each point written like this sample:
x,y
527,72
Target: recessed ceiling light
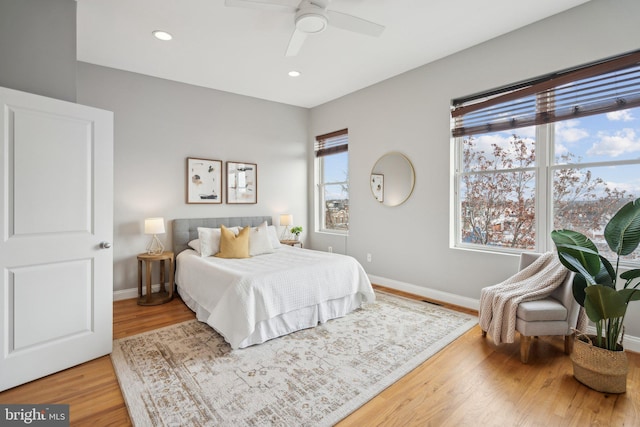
x,y
162,35
294,73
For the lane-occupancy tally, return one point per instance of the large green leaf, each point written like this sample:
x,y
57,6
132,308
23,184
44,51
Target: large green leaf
x,y
573,264
578,246
630,294
630,274
580,284
623,230
603,302
607,275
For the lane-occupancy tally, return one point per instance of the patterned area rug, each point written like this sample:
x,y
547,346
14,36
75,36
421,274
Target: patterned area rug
x,y
186,374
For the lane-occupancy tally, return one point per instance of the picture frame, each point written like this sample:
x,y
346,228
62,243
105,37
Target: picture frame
x,y
377,186
242,183
204,181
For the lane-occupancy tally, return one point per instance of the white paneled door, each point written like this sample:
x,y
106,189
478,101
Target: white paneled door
x,y
56,228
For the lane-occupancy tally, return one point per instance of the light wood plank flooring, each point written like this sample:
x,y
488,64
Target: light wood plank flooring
x,y
469,383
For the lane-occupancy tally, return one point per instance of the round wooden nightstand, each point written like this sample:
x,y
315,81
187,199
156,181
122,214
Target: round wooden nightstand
x,y
294,243
162,296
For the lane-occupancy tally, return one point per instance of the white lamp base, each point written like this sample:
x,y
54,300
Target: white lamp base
x,y
155,246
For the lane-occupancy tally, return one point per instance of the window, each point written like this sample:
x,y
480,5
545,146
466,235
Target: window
x,y
332,171
562,151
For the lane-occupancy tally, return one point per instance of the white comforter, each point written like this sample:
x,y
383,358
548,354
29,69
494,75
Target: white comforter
x,y
238,294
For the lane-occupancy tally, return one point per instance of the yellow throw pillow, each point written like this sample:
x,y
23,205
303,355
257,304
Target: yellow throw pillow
x,y
232,246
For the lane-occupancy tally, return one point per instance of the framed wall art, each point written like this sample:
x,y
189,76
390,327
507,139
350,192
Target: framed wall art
x,y
242,182
204,181
377,186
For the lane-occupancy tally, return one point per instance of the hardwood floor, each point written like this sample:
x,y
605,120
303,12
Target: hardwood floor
x,y
469,383
92,389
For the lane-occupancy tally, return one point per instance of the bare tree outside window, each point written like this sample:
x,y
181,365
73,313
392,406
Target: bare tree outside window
x,y
498,198
336,208
497,190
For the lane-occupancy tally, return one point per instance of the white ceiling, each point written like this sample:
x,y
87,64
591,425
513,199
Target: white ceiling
x,y
242,50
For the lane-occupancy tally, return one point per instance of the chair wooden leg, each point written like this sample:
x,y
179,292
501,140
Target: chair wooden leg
x,y
568,343
525,346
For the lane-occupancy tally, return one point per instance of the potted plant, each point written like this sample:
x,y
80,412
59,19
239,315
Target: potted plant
x,y
594,288
296,231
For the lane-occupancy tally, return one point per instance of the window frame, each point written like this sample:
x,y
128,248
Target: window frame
x,y
320,184
545,167
459,173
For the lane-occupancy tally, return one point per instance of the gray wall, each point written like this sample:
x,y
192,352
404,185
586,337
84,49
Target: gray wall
x,y
159,123
410,244
38,47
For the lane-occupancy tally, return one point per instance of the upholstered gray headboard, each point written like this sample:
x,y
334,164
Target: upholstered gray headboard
x,y
185,230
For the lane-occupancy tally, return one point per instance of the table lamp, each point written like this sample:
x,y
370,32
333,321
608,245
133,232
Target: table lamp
x,y
154,226
285,220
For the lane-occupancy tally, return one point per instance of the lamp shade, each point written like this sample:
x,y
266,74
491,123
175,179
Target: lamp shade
x,y
286,219
154,226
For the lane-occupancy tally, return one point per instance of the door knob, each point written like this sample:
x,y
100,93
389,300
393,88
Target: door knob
x,y
105,245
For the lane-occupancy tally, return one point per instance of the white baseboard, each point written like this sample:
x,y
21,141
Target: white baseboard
x,y
447,297
133,292
630,342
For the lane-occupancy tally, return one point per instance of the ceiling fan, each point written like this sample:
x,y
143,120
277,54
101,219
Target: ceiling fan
x,y
311,17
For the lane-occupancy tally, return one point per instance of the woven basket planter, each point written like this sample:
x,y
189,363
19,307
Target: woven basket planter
x,y
600,369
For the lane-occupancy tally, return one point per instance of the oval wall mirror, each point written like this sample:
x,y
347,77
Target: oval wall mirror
x,y
392,179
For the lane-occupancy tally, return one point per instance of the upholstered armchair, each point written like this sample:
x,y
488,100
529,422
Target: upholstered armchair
x,y
556,314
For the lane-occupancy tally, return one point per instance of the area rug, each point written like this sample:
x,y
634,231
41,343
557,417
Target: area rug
x,y
186,374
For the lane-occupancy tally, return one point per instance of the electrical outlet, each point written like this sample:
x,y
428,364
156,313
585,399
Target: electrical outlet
x,y
368,257
330,249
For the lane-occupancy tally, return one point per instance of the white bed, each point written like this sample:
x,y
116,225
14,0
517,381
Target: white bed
x,y
249,301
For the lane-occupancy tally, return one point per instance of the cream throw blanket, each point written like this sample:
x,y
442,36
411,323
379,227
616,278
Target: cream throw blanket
x,y
499,303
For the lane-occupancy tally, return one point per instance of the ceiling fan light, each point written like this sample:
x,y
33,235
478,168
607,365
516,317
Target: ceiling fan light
x,y
162,35
311,22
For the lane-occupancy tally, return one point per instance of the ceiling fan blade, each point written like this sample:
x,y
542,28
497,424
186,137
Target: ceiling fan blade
x,y
320,3
295,43
273,5
353,23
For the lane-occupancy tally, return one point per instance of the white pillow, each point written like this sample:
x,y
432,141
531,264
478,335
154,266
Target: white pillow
x,y
259,242
210,240
195,245
273,237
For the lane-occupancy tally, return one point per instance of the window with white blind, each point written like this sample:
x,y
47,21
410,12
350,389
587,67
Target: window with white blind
x,y
560,151
332,179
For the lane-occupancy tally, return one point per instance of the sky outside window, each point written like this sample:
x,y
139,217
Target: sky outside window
x,y
336,168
